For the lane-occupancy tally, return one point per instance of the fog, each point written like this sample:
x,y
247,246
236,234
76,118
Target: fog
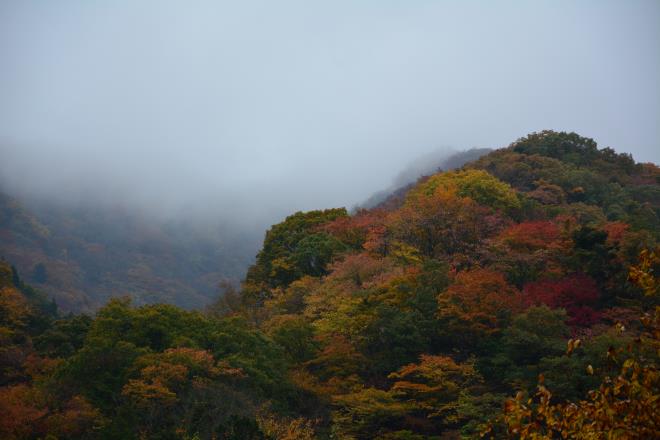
x,y
252,110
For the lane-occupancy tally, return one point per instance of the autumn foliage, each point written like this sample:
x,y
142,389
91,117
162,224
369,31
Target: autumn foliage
x,y
415,320
577,294
622,407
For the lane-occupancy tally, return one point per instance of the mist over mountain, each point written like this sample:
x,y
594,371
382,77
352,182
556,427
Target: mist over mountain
x,y
340,220
527,270
431,163
83,255
84,244
251,111
225,118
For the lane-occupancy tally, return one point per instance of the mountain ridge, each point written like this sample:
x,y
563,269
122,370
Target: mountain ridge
x,y
529,272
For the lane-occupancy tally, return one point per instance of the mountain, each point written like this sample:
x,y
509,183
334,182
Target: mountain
x,y
417,319
423,166
529,272
82,255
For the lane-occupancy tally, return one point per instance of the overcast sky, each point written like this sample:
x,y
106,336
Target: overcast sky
x,y
281,105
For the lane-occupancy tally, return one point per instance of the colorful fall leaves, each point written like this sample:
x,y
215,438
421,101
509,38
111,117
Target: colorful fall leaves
x,y
411,320
27,408
473,273
622,407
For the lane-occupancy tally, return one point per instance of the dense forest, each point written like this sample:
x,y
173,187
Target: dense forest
x,y
514,297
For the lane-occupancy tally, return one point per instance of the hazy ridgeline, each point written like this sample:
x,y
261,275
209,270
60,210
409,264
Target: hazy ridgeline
x,y
84,244
163,152
342,220
527,273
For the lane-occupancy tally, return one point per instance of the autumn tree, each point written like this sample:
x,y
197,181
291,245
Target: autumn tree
x,y
478,185
577,294
442,224
426,398
526,251
478,304
188,390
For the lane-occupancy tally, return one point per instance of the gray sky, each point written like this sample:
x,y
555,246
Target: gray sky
x,y
258,107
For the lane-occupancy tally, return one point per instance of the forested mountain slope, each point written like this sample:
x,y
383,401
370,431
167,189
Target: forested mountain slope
x,y
83,255
423,166
416,320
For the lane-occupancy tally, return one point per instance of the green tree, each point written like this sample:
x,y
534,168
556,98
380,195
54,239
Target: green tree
x,y
294,248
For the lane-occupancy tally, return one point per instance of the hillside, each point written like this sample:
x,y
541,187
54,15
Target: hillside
x,y
525,273
423,166
83,255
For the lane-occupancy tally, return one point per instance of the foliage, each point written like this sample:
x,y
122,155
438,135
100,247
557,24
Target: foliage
x,y
644,275
439,225
621,407
293,248
577,294
478,304
414,320
528,250
478,185
426,398
574,149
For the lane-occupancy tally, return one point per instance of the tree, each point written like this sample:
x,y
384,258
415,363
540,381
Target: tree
x,y
528,250
426,398
353,230
479,303
28,412
64,337
295,335
513,359
478,185
574,149
577,294
366,413
289,250
172,390
314,252
442,224
435,385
